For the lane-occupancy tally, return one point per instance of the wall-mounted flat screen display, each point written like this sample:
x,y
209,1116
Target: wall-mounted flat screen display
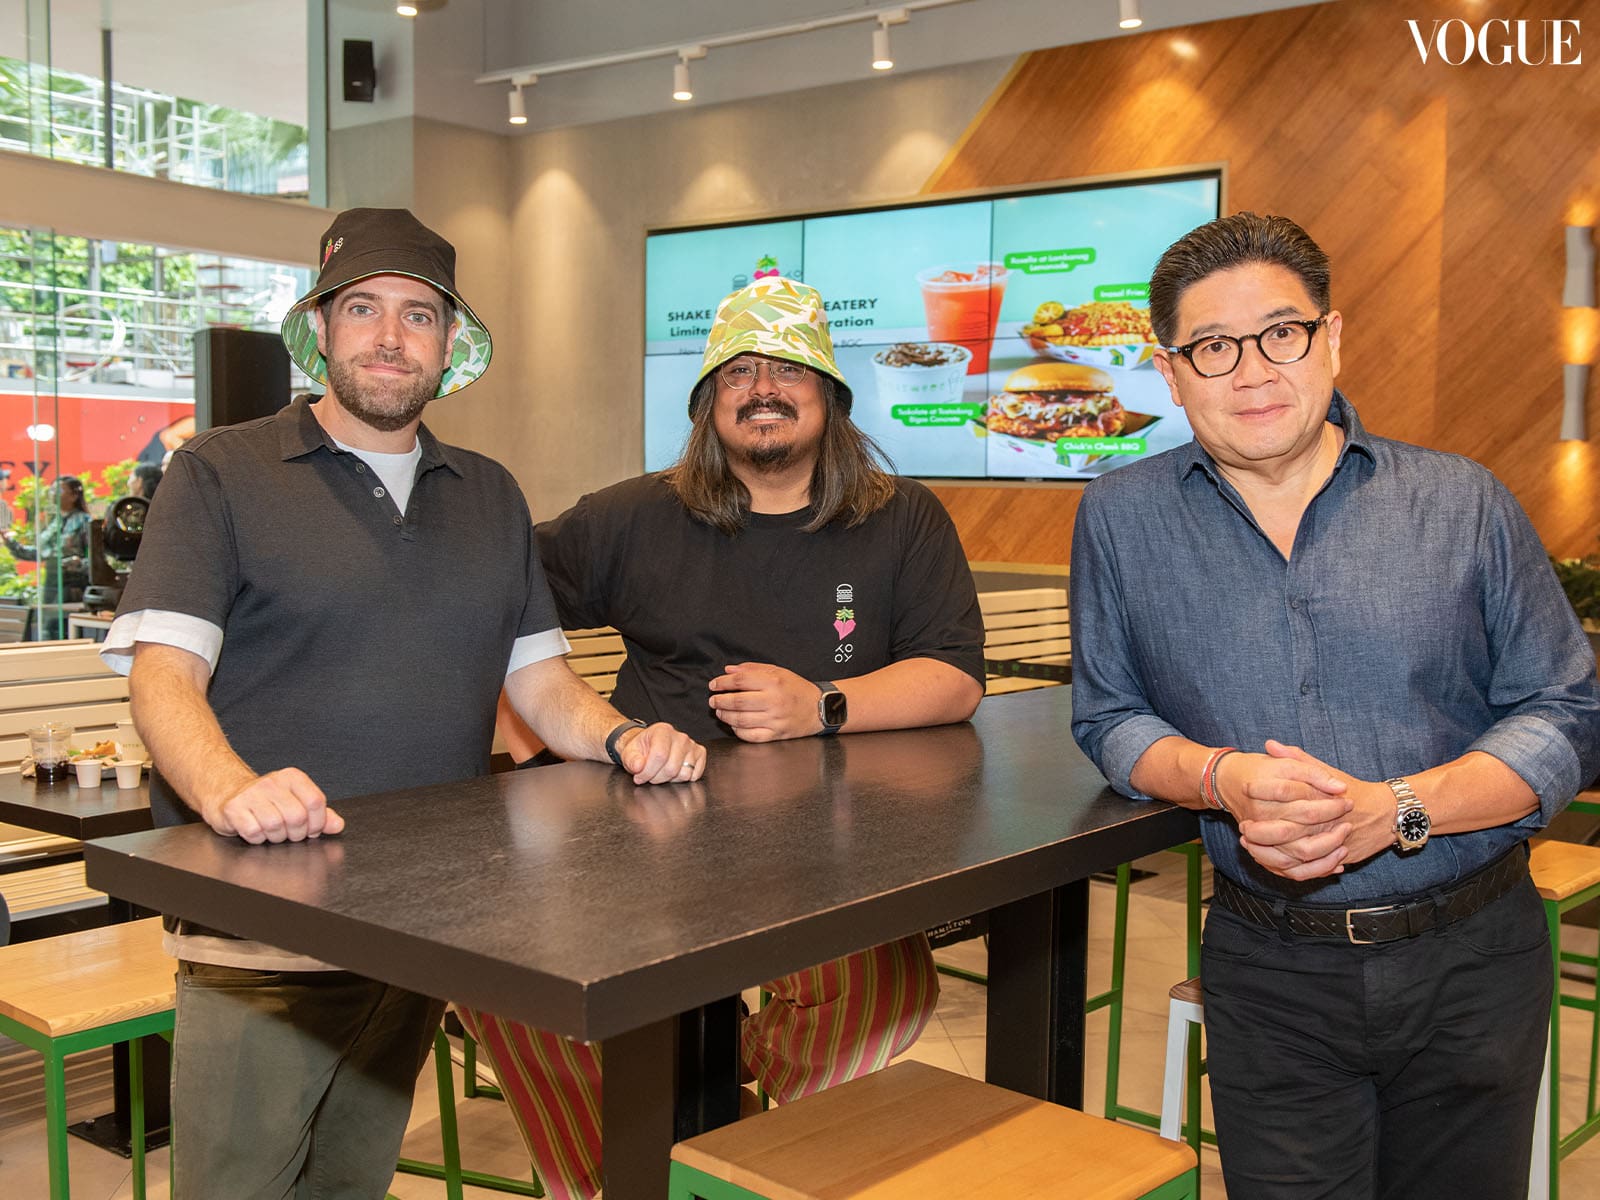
x,y
1006,337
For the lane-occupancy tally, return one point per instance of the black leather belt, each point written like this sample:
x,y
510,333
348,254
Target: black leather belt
x,y
1383,922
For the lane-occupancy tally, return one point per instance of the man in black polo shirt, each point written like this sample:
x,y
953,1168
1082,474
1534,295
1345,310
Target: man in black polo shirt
x,y
328,603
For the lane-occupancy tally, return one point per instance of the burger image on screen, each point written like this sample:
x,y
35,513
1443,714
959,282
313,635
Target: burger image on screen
x,y
1057,399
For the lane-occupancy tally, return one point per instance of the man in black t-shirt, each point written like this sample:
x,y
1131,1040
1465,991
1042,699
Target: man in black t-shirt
x,y
327,603
777,582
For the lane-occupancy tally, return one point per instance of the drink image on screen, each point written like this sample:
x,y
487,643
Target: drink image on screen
x,y
962,303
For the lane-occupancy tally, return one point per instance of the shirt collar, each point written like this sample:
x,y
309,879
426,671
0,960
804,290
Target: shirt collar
x,y
299,434
1192,456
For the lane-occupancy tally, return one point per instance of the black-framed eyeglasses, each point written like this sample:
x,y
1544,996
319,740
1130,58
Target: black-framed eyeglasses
x,y
742,373
1281,343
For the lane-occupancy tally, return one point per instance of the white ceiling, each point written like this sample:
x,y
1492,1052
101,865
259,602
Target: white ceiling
x,y
251,54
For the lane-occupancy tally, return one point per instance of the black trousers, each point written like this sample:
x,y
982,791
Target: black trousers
x,y
1406,1070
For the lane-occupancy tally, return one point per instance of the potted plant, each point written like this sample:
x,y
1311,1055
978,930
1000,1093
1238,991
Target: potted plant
x,y
1580,579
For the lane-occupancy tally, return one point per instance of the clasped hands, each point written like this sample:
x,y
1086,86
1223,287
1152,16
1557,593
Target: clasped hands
x,y
1301,818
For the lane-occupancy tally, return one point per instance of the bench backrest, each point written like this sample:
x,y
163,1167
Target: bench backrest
x,y
1025,626
57,681
596,657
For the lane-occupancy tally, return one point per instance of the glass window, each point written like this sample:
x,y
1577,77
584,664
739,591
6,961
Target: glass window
x,y
96,380
162,93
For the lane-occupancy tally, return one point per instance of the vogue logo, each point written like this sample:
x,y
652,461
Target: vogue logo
x,y
1499,42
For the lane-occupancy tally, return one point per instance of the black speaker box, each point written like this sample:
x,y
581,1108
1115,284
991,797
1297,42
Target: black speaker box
x,y
360,72
239,375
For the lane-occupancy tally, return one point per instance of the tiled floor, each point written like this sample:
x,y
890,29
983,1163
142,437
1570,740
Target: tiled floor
x,y
954,1040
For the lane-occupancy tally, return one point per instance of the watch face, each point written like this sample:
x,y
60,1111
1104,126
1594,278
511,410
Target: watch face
x,y
1413,825
834,708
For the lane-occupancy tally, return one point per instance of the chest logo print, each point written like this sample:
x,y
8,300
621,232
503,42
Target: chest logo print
x,y
844,621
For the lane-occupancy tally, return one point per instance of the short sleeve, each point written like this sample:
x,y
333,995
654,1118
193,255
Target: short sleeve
x,y
936,603
188,562
565,548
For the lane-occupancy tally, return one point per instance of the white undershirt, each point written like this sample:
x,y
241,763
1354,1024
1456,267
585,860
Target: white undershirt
x,y
398,471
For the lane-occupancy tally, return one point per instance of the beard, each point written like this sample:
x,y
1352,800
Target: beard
x,y
386,404
774,452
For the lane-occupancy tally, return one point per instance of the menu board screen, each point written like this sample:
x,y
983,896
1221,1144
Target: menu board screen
x,y
1007,337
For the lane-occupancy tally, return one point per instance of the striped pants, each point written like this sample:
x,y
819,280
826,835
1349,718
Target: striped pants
x,y
824,1025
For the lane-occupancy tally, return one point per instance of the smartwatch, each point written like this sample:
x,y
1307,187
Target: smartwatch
x,y
833,710
612,738
1411,821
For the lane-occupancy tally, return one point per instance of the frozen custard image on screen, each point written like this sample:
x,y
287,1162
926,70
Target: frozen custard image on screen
x,y
1003,336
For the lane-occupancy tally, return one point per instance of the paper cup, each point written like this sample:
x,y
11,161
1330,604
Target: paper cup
x,y
128,774
939,382
89,771
128,742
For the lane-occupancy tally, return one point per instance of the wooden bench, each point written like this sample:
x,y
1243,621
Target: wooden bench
x,y
1027,640
596,657
913,1131
52,681
79,992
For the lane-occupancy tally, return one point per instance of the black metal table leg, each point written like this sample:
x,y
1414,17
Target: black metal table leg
x,y
661,1083
1038,970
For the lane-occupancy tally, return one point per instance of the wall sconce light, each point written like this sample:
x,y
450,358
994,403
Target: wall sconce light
x,y
680,73
882,59
1130,18
1579,292
1574,402
1582,327
517,111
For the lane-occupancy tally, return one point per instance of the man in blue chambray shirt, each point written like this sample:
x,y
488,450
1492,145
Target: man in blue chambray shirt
x,y
1352,655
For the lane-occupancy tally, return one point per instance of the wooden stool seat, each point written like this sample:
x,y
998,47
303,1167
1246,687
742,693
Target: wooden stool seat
x,y
1561,870
913,1131
84,980
1188,991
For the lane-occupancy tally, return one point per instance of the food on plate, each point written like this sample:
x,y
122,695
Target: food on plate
x,y
1056,399
1102,323
98,750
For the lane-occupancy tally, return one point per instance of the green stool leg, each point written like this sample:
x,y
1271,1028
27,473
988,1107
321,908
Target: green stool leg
x,y
1111,998
136,1113
469,1065
456,1177
55,1122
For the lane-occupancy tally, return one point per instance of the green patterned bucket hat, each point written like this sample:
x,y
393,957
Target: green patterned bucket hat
x,y
779,318
363,242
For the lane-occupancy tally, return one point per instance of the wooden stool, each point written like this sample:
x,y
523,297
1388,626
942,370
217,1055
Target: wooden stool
x,y
914,1131
81,991
1567,875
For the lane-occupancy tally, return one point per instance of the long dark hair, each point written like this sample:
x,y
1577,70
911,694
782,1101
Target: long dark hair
x,y
852,479
74,487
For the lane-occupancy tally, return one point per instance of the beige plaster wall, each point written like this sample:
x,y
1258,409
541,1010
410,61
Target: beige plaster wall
x,y
561,405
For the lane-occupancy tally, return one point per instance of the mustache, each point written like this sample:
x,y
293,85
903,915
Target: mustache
x,y
395,358
771,404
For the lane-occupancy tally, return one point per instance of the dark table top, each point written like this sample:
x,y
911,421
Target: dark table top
x,y
569,898
70,811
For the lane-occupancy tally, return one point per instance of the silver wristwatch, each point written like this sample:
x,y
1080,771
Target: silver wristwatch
x,y
1411,822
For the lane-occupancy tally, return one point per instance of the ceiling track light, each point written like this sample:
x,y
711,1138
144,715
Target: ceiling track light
x,y
882,58
1130,18
681,89
516,109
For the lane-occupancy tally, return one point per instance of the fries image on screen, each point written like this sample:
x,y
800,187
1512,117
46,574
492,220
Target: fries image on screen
x,y
1102,323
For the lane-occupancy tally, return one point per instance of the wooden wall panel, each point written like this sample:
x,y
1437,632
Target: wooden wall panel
x,y
1440,192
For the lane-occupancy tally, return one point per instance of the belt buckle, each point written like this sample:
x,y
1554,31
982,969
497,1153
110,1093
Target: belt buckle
x,y
1349,927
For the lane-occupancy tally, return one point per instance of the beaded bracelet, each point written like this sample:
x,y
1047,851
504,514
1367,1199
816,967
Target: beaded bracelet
x,y
1208,779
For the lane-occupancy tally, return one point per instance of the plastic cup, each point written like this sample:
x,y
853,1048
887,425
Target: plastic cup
x,y
128,774
962,304
49,743
89,771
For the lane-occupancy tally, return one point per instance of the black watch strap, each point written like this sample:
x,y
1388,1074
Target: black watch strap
x,y
613,737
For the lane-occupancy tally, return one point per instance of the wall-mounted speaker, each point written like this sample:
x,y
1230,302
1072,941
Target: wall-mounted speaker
x,y
239,375
360,71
